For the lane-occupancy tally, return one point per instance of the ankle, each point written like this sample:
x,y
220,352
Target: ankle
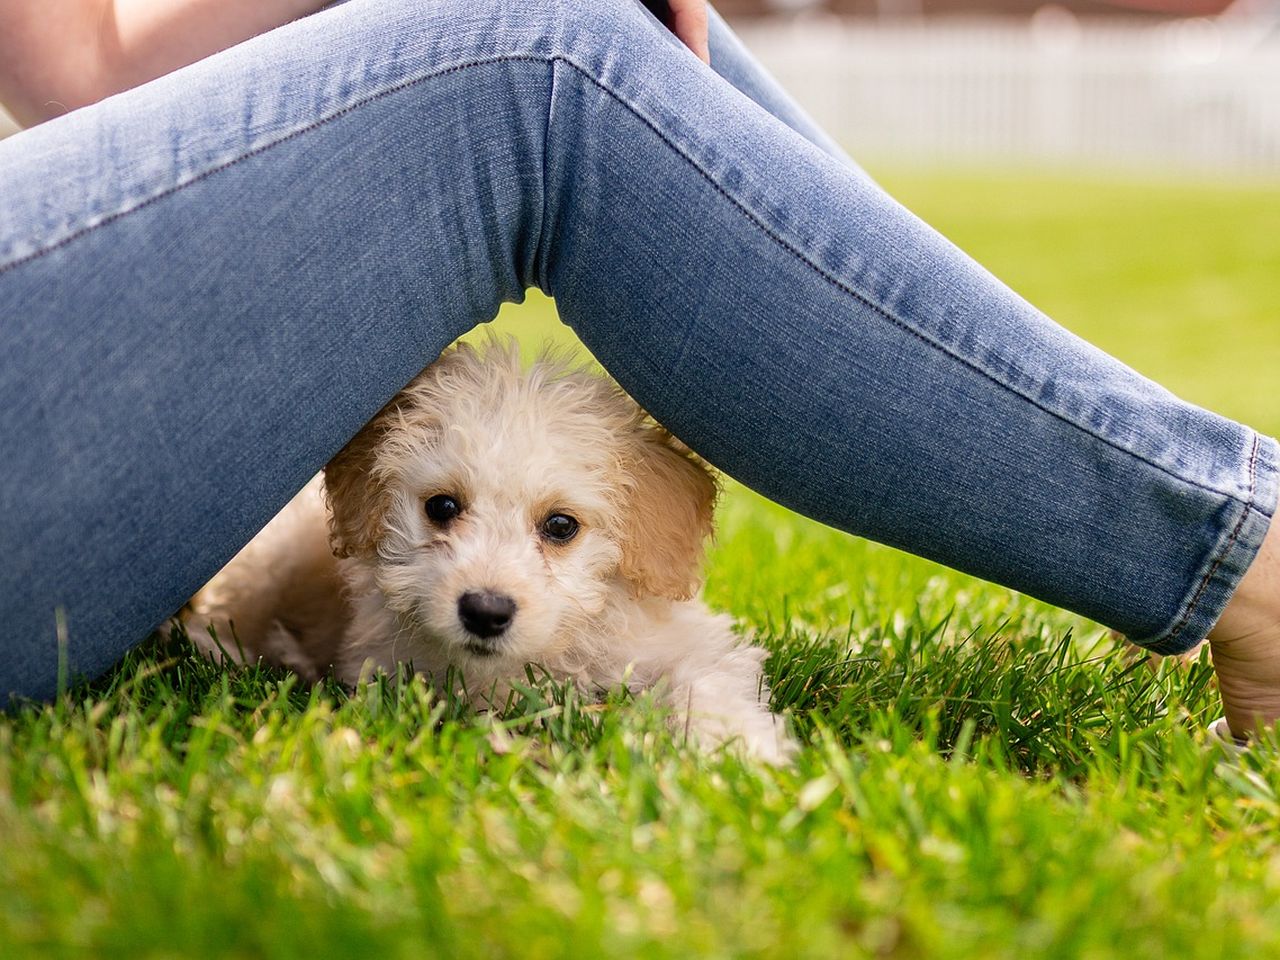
x,y
1254,608
1245,643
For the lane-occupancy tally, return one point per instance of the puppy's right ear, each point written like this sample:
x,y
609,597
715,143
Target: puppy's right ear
x,y
358,500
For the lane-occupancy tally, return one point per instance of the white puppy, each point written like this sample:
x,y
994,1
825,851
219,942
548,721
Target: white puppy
x,y
488,518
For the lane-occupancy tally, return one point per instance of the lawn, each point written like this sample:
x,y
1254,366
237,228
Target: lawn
x,y
984,776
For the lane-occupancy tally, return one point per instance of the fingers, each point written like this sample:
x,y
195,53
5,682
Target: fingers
x,y
689,23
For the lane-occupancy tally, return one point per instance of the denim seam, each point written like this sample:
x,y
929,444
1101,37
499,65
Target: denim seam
x,y
882,311
639,115
1222,554
538,253
227,164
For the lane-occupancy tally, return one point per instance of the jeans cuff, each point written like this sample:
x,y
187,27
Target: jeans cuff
x,y
1238,544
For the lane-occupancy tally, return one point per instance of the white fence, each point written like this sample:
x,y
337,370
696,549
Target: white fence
x,y
1192,94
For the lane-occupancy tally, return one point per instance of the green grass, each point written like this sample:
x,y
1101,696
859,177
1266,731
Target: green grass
x,y
983,776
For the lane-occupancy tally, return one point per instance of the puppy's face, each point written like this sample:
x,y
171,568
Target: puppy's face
x,y
501,509
496,534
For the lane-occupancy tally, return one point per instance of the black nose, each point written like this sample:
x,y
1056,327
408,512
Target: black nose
x,y
486,614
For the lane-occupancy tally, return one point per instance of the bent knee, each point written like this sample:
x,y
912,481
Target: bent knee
x,y
470,29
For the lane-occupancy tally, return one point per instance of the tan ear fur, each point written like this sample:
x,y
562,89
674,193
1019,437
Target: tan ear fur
x,y
667,517
357,499
356,492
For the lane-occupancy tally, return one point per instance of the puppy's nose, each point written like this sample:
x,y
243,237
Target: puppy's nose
x,y
486,614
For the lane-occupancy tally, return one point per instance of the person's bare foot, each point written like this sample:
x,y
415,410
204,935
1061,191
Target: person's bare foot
x,y
1245,643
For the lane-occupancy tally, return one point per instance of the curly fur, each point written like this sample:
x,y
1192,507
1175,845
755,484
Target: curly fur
x,y
616,604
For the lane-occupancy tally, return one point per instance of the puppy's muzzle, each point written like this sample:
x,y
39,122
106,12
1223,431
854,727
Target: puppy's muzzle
x,y
486,614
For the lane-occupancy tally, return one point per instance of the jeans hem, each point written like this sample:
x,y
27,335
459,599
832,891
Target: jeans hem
x,y
1226,565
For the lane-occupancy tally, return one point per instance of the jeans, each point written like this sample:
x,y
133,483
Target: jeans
x,y
209,283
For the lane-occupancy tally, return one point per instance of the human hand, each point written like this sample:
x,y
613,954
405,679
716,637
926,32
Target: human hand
x,y
689,23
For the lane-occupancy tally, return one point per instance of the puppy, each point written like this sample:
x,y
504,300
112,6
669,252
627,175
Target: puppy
x,y
488,518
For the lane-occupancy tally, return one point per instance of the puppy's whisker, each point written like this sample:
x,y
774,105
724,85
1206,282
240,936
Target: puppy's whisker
x,y
406,555
403,629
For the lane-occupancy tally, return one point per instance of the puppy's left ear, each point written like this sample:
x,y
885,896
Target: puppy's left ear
x,y
667,517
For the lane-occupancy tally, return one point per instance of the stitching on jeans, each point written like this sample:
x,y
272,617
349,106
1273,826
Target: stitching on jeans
x,y
746,211
1222,554
866,301
539,256
315,124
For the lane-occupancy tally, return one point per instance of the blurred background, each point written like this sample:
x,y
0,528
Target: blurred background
x,y
1191,85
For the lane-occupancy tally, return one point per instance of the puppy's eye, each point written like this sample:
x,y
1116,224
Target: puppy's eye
x,y
442,508
560,527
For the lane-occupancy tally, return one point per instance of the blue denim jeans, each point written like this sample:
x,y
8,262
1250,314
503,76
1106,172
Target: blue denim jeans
x,y
209,283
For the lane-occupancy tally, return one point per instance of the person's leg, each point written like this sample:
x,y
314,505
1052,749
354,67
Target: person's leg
x,y
1246,638
735,63
208,284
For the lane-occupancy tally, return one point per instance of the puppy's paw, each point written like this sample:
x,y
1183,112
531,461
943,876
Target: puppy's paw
x,y
775,747
750,730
